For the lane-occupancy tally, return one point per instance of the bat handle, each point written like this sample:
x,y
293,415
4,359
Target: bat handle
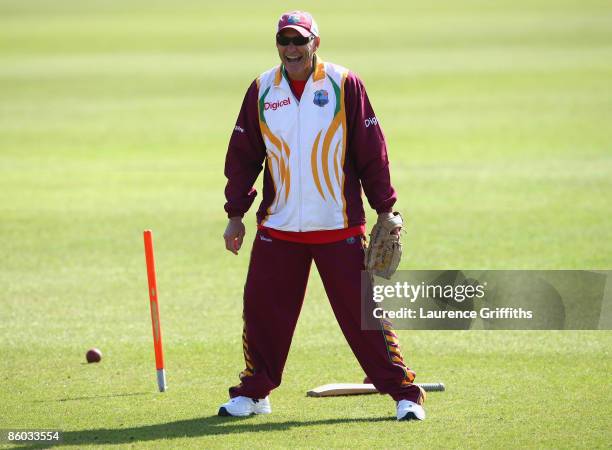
x,y
432,387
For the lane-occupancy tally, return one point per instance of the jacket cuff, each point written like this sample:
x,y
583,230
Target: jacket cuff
x,y
234,213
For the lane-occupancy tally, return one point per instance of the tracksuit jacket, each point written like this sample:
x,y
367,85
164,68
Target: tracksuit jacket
x,y
319,152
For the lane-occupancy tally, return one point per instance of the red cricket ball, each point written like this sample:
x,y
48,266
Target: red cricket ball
x,y
93,355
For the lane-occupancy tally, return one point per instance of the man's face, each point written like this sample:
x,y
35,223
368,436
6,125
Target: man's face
x,y
297,58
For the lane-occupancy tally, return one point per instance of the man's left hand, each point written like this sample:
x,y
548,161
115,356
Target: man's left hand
x,y
384,249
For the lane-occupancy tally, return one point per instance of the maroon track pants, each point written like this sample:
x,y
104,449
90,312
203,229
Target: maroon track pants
x,y
273,297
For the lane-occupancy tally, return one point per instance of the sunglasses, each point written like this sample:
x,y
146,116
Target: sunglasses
x,y
297,40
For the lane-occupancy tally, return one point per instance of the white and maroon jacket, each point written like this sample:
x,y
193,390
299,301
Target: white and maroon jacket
x,y
319,152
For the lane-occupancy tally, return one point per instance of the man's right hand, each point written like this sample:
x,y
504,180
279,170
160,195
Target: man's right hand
x,y
234,234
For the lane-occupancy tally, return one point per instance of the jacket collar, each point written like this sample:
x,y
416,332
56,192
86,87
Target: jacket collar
x,y
319,69
317,75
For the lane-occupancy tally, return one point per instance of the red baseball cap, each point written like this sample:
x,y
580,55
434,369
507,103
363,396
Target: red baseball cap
x,y
300,21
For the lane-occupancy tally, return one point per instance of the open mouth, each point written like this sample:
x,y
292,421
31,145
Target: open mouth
x,y
293,59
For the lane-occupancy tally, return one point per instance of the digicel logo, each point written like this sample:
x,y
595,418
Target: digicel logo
x,y
275,105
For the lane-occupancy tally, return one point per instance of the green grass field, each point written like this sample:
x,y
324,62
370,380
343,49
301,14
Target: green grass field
x,y
115,117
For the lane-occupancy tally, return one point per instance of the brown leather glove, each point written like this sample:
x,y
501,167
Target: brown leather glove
x,y
384,250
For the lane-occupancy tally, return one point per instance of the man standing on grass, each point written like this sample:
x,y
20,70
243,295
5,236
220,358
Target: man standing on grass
x,y
312,125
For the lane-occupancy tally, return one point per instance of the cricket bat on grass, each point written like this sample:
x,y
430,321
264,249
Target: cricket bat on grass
x,y
339,389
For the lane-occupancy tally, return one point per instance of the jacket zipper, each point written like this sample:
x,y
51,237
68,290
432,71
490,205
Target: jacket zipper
x,y
299,155
299,149
299,168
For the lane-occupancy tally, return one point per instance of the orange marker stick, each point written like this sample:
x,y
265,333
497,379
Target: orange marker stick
x,y
157,332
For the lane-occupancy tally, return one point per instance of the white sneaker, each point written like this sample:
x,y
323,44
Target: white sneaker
x,y
244,406
407,410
